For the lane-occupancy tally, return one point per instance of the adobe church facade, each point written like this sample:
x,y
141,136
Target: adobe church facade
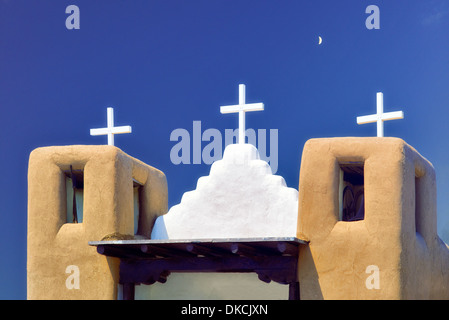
x,y
388,250
397,236
60,263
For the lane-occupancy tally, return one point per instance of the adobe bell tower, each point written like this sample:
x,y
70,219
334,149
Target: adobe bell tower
x,y
111,195
391,250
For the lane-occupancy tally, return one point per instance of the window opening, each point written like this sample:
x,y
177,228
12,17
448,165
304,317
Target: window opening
x,y
74,180
137,189
352,191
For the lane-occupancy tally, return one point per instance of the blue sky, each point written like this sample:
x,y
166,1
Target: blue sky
x,y
164,64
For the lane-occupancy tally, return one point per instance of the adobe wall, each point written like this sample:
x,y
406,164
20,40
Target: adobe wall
x,y
54,244
412,261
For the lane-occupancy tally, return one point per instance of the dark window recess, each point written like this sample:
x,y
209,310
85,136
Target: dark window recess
x,y
74,189
353,195
137,190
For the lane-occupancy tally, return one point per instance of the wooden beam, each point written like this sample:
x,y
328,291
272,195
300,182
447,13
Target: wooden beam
x,y
287,248
293,291
164,252
245,250
112,251
128,291
198,249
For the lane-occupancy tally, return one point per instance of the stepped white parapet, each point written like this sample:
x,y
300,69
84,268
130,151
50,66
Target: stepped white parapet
x,y
240,198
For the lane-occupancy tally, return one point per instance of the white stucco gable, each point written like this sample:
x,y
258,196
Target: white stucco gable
x,y
240,198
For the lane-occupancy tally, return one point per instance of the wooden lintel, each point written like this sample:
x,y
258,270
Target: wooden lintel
x,y
280,269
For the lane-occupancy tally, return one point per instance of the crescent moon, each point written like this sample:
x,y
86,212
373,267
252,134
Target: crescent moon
x,y
320,40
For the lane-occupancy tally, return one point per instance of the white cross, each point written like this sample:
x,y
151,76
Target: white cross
x,y
380,116
110,130
241,108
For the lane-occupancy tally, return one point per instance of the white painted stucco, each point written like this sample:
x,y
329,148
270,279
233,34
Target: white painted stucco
x,y
240,198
